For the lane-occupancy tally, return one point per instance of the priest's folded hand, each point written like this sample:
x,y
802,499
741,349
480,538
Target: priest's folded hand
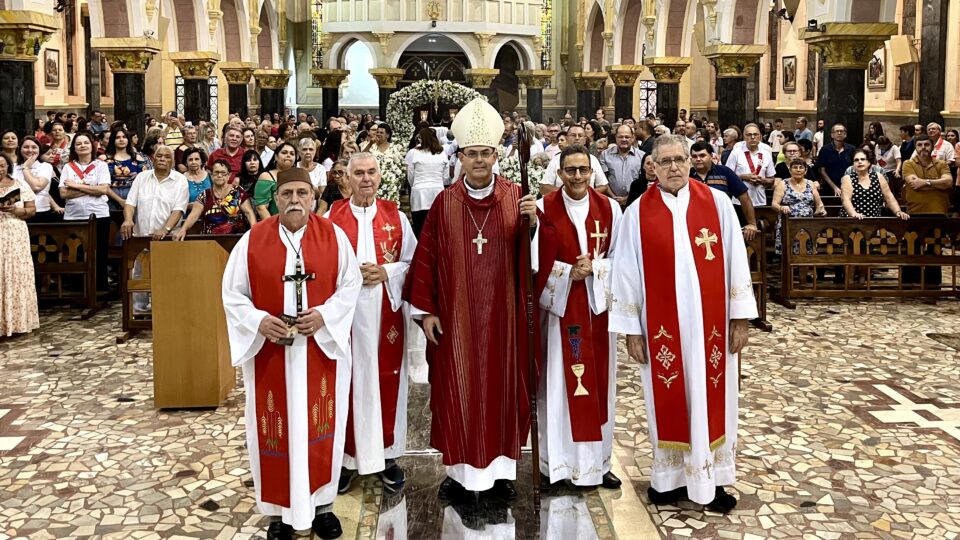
x,y
739,333
272,328
309,321
637,348
583,269
373,274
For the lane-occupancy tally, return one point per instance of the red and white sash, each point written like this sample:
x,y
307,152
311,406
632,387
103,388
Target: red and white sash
x,y
663,324
754,170
82,174
388,239
266,261
584,335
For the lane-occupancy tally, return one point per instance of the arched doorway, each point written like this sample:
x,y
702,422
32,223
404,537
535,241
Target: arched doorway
x,y
505,95
361,89
436,57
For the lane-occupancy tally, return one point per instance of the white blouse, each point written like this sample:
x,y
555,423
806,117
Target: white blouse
x,y
430,174
80,208
39,169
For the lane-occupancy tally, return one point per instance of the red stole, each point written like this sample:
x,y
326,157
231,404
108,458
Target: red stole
x,y
583,335
388,247
266,261
663,324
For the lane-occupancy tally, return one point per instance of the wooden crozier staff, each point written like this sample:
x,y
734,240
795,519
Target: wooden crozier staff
x,y
523,145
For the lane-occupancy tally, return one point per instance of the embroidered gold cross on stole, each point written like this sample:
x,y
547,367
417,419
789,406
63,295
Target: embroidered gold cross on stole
x,y
389,228
601,237
707,239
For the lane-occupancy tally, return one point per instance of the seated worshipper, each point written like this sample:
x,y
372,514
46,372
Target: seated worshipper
x,y
384,243
223,208
289,292
264,192
551,182
796,196
156,202
684,301
576,399
18,292
466,288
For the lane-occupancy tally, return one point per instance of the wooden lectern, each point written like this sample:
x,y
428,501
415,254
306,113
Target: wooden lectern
x,y
191,350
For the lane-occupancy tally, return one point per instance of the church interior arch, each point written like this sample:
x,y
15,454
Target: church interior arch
x,y
265,53
360,88
506,86
631,39
593,53
232,42
186,25
433,56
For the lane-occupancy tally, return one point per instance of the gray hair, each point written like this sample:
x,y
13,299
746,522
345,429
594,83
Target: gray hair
x,y
305,141
359,156
730,132
664,141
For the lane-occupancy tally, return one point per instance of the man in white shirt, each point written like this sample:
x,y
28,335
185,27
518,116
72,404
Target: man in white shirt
x,y
754,163
552,146
942,149
552,182
157,199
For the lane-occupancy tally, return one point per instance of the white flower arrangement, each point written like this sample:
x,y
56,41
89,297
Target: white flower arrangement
x,y
393,173
510,169
402,103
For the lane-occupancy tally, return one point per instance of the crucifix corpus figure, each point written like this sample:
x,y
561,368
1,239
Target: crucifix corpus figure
x,y
296,395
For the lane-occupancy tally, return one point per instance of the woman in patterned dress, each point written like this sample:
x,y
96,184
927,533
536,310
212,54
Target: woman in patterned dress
x,y
124,163
864,192
18,292
796,197
224,208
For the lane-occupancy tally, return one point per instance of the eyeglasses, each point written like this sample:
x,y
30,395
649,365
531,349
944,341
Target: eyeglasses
x,y
474,155
573,171
336,173
668,163
856,159
221,173
751,135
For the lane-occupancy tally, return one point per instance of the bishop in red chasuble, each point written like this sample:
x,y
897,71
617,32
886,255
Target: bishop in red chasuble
x,y
577,391
289,292
465,286
682,294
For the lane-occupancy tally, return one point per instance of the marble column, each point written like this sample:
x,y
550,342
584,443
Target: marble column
x,y
734,64
589,85
933,60
624,79
845,50
272,83
481,80
535,80
329,80
667,71
387,80
129,59
238,76
195,68
21,33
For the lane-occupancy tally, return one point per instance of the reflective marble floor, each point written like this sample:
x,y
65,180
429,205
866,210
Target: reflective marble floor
x,y
850,428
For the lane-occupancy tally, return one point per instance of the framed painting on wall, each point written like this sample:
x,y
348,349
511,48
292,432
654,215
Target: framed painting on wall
x,y
876,70
51,68
790,74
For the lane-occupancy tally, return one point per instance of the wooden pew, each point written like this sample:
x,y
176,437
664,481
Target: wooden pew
x,y
137,250
65,263
881,247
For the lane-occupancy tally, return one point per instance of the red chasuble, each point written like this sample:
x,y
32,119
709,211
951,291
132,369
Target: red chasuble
x,y
388,239
583,334
478,373
266,262
663,322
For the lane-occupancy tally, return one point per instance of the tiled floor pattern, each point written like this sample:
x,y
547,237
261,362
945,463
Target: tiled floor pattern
x,y
850,417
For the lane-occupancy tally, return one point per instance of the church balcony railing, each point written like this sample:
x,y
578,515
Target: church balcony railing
x,y
514,17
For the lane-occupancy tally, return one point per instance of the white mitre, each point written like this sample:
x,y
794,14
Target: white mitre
x,y
477,124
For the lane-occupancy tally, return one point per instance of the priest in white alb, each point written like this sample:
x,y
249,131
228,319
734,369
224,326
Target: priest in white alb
x,y
384,243
577,391
682,294
289,292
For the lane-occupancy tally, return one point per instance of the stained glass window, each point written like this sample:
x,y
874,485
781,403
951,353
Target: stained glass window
x,y
316,29
546,34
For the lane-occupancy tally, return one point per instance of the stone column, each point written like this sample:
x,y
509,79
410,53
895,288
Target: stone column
x,y
588,84
329,80
933,59
272,83
387,79
535,80
624,78
238,76
481,79
734,64
21,34
195,68
667,71
845,50
129,59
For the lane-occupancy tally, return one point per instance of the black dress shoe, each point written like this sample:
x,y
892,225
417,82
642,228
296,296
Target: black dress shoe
x,y
450,490
666,498
278,530
327,526
610,481
346,479
722,502
505,490
392,477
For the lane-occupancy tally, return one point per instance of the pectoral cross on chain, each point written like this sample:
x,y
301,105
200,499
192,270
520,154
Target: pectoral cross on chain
x,y
601,237
707,239
479,241
299,278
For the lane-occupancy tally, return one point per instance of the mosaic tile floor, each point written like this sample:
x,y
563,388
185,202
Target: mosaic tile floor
x,y
850,428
